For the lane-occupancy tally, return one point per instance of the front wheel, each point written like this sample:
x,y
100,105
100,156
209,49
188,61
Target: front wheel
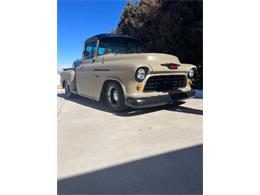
x,y
115,97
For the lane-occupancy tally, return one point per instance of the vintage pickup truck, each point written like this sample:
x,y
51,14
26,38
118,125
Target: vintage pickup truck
x,y
114,68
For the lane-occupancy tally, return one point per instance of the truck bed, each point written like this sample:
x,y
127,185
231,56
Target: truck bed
x,y
69,75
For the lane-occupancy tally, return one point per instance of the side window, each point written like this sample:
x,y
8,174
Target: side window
x,y
104,48
101,51
89,50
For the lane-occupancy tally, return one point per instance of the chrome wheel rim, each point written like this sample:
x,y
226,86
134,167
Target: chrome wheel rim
x,y
115,96
112,95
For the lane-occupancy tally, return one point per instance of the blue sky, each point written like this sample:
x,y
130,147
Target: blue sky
x,y
80,19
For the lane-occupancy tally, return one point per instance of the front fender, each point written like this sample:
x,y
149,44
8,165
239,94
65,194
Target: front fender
x,y
124,74
187,67
111,79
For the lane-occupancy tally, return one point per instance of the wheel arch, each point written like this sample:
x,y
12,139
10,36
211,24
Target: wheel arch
x,y
101,94
63,83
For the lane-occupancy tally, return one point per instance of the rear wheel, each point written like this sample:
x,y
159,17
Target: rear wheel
x,y
68,92
114,97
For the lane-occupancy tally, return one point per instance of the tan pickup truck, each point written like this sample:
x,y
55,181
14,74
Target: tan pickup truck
x,y
114,68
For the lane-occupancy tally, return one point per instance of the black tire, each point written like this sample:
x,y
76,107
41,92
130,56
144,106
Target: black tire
x,y
68,92
114,97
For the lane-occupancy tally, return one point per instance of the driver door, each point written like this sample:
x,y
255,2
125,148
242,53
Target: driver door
x,y
84,72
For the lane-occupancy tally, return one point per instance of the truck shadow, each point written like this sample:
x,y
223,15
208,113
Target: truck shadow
x,y
176,172
133,112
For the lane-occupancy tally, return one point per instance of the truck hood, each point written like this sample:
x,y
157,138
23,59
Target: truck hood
x,y
153,60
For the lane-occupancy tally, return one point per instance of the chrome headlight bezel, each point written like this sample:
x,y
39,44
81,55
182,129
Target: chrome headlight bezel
x,y
141,73
191,73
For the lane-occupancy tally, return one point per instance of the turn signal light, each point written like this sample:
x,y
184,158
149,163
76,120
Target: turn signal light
x,y
190,82
138,87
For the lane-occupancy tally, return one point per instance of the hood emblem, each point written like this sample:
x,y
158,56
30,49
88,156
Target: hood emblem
x,y
171,65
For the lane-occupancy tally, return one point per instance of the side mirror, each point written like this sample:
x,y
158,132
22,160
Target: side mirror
x,y
76,63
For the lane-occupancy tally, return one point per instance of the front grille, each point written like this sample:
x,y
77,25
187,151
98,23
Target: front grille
x,y
165,83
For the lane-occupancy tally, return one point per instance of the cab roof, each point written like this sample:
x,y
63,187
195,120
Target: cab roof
x,y
107,35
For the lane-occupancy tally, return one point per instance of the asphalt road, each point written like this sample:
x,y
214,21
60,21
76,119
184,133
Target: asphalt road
x,y
156,150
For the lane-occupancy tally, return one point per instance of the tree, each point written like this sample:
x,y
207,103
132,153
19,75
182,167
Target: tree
x,y
173,27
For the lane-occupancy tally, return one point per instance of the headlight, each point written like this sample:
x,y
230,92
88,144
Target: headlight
x,y
191,73
141,74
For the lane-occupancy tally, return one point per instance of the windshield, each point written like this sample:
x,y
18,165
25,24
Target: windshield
x,y
119,45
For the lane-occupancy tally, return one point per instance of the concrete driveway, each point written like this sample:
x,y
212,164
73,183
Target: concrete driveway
x,y
156,150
